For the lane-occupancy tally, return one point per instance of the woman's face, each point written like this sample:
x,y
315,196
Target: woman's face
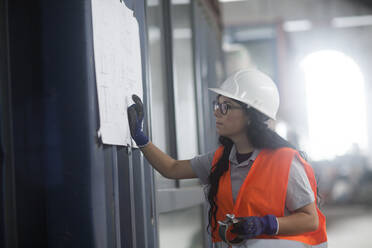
x,y
235,121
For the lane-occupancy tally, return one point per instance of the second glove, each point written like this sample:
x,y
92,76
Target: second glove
x,y
250,227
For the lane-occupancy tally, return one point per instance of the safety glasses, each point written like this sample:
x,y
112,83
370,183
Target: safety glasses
x,y
223,107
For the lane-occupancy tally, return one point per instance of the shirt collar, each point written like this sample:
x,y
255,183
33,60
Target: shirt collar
x,y
233,160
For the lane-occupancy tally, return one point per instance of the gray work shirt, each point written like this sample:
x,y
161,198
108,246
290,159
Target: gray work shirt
x,y
299,192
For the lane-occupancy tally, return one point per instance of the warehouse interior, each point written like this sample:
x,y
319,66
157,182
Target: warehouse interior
x,y
63,186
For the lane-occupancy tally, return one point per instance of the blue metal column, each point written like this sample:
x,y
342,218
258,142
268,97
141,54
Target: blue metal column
x,y
77,169
8,220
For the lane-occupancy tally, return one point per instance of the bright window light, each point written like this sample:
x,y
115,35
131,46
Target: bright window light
x,y
228,1
335,103
297,25
351,21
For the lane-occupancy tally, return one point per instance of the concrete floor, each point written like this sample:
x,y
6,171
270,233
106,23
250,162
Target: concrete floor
x,y
349,226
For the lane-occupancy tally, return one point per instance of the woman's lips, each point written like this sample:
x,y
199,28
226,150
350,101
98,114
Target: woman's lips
x,y
218,124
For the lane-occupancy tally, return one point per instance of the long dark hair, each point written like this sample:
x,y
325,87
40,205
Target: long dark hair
x,y
260,136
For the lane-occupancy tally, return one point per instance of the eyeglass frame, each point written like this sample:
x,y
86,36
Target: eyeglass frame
x,y
218,105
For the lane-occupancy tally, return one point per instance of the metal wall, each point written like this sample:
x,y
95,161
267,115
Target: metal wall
x,y
62,187
8,232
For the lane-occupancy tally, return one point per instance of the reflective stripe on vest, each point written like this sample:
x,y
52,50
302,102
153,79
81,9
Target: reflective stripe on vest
x,y
264,192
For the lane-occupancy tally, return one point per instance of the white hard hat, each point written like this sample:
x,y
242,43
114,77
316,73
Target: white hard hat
x,y
254,88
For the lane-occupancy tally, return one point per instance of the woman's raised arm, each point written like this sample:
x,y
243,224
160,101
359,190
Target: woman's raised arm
x,y
167,166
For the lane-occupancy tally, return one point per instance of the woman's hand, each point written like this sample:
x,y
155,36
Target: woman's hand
x,y
135,118
250,227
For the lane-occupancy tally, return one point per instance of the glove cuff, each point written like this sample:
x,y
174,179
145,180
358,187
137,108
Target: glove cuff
x,y
271,224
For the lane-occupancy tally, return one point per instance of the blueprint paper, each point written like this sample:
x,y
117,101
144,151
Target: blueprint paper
x,y
117,57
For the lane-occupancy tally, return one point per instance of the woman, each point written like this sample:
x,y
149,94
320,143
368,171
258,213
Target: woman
x,y
254,175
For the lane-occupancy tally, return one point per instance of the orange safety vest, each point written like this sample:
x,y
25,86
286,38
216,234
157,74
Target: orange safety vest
x,y
264,192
